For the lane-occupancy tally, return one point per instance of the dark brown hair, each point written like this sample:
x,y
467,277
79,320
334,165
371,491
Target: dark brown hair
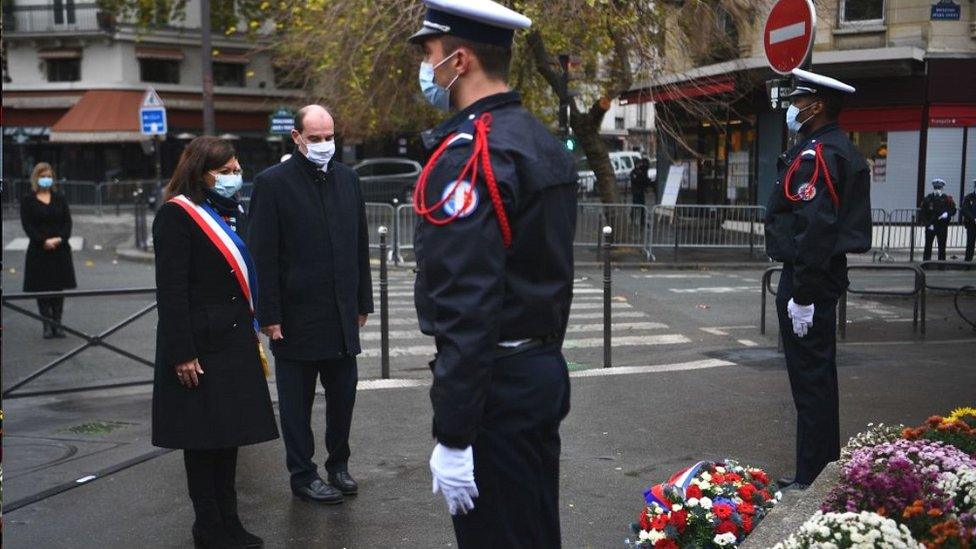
x,y
495,60
202,155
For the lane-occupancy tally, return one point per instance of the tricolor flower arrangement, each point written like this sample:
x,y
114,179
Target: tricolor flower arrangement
x,y
711,504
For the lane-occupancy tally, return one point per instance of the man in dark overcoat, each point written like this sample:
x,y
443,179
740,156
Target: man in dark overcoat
x,y
309,238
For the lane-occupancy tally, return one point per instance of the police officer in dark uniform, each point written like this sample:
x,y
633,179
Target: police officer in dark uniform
x,y
968,210
937,211
497,207
819,211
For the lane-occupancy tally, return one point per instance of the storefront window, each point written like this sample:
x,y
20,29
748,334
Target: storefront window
x,y
862,11
874,147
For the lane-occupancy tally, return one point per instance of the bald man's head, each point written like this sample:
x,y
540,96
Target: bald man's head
x,y
313,124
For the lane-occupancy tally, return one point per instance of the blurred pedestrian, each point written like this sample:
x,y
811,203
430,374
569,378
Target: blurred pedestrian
x,y
937,211
640,181
968,209
46,219
311,246
819,211
210,395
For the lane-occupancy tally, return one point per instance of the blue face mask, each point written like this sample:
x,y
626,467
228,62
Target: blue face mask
x,y
227,184
792,123
45,182
437,95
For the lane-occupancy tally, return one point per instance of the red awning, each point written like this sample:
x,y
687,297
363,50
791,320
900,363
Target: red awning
x,y
882,119
686,90
952,116
101,116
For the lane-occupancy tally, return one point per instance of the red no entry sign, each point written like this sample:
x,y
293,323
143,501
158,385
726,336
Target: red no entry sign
x,y
789,32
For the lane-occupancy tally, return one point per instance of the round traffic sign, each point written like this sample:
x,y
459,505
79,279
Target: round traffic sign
x,y
788,35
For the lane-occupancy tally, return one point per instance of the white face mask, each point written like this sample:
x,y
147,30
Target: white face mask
x,y
227,184
792,113
319,153
436,95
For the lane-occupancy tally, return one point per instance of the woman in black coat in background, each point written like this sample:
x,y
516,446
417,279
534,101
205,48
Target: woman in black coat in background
x,y
46,219
210,395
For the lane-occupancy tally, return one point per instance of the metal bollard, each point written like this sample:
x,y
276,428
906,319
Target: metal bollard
x,y
842,316
607,335
384,309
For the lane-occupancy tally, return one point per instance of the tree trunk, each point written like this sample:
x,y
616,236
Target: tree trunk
x,y
587,132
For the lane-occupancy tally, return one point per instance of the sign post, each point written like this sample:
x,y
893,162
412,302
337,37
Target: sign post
x,y
788,35
152,122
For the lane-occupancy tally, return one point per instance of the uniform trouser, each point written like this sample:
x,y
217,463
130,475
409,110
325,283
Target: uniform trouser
x,y
970,240
516,455
638,199
811,362
296,393
941,233
51,307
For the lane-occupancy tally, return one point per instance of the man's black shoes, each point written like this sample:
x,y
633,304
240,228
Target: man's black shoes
x,y
344,482
319,492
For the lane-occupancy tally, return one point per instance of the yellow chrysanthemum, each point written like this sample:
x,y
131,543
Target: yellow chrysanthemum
x,y
960,413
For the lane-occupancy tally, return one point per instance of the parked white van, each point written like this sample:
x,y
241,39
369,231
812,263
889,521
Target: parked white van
x,y
623,163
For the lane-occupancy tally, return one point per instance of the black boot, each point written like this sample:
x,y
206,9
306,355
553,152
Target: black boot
x,y
208,527
57,309
45,309
225,475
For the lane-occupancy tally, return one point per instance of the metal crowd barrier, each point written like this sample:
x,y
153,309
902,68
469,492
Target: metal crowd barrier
x,y
946,266
917,291
707,226
628,221
378,215
91,340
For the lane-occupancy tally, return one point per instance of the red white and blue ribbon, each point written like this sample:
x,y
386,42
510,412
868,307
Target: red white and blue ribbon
x,y
680,480
228,243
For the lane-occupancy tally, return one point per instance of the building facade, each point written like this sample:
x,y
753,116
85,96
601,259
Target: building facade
x,y
913,117
74,77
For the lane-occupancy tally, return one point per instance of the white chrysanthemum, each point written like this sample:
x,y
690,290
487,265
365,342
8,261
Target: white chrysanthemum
x,y
850,530
705,502
725,539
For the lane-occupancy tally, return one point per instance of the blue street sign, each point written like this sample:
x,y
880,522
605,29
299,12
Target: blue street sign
x,y
152,121
946,10
281,122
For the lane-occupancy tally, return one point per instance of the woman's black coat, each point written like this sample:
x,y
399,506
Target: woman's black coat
x,y
47,270
203,314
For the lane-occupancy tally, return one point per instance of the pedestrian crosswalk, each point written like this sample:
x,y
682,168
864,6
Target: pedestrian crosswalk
x,y
632,329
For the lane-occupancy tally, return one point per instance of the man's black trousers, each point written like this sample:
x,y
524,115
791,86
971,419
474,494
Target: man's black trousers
x,y
296,382
516,455
811,362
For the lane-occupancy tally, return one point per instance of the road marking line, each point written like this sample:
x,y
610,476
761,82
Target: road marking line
x,y
584,343
20,244
789,32
715,290
373,384
714,331
616,314
614,305
674,276
622,329
624,370
747,342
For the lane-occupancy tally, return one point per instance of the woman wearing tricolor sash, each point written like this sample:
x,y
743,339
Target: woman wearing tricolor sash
x,y
210,395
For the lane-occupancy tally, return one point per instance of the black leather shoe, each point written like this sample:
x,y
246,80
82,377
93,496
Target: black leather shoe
x,y
319,492
213,536
786,480
237,532
344,482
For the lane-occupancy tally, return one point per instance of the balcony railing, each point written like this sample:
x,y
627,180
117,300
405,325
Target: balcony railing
x,y
65,16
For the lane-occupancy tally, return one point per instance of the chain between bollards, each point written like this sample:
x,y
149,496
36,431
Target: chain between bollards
x,y
607,243
384,309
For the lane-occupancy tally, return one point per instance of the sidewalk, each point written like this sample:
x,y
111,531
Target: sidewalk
x,y
624,433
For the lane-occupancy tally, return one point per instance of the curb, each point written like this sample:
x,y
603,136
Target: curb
x,y
795,508
135,255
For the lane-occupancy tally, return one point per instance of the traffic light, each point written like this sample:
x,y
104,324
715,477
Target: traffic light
x,y
570,144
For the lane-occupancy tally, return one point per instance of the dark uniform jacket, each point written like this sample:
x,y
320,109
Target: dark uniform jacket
x,y
639,180
472,292
933,206
204,315
809,233
968,209
47,270
308,235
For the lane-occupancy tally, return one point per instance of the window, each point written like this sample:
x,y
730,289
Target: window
x,y
63,70
64,12
862,11
228,74
619,123
164,71
287,78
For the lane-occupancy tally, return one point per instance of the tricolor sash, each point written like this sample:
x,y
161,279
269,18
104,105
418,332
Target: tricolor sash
x,y
681,480
230,245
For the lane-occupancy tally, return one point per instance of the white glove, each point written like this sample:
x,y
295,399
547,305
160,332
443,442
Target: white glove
x,y
453,472
802,316
931,228
945,215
